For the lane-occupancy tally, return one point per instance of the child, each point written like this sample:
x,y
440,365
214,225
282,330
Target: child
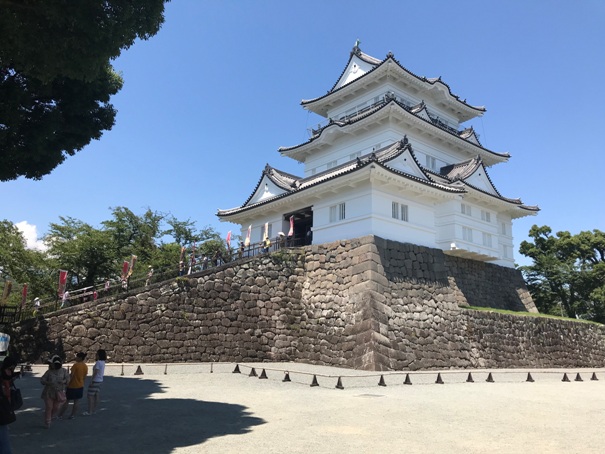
x,y
75,387
94,388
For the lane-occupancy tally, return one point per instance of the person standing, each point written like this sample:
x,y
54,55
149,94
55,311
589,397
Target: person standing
x,y
94,389
7,372
149,275
54,380
75,387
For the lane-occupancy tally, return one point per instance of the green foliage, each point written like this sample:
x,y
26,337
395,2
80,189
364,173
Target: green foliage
x,y
22,265
93,255
88,254
567,276
56,79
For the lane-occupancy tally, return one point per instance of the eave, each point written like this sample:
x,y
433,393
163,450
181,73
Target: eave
x,y
390,70
302,151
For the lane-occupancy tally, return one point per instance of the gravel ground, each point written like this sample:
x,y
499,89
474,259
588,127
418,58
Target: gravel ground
x,y
187,409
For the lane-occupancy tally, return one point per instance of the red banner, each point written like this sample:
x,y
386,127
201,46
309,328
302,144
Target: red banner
x,y
125,267
291,232
62,282
228,240
23,296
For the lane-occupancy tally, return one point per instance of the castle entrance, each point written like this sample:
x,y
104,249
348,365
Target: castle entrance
x,y
303,223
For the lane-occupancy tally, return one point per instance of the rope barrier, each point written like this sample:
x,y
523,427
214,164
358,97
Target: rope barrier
x,y
383,376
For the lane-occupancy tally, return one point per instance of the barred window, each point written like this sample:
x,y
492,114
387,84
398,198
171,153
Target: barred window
x,y
337,212
467,234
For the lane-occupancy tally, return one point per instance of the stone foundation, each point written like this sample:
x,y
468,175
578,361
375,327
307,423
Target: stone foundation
x,y
366,303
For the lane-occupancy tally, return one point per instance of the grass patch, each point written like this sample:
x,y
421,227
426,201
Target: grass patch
x,y
529,314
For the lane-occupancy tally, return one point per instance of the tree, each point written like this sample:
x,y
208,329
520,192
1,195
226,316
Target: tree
x,y
22,265
568,272
56,78
88,254
133,234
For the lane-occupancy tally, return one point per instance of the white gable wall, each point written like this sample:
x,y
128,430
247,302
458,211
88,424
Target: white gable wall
x,y
480,180
354,70
265,190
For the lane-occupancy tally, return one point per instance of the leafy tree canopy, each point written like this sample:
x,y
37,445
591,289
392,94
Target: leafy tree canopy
x,y
93,255
56,78
567,276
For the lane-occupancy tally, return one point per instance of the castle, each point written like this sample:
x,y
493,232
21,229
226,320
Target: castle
x,y
390,159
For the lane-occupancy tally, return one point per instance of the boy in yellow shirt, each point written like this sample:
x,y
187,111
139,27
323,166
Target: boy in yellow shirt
x,y
75,387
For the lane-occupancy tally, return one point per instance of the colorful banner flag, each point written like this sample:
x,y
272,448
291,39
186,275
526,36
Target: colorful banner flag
x,y
228,240
125,267
291,231
8,286
133,260
266,231
247,240
62,283
23,296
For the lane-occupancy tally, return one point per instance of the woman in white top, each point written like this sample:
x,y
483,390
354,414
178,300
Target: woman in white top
x,y
94,388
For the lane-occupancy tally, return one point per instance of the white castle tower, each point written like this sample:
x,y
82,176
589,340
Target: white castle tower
x,y
391,159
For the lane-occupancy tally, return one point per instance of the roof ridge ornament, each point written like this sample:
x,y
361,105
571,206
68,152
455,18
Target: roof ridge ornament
x,y
356,50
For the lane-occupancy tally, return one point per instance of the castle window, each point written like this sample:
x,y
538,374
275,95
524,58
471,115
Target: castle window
x,y
431,162
486,216
399,211
487,240
503,228
337,212
332,164
467,234
465,209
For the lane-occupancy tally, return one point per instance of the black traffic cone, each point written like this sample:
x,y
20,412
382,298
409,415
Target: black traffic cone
x,y
578,377
407,380
339,384
529,378
263,375
594,377
469,379
565,378
139,371
314,382
236,370
381,381
439,380
490,379
252,373
287,376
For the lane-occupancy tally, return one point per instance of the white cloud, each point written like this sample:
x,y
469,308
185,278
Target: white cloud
x,y
30,233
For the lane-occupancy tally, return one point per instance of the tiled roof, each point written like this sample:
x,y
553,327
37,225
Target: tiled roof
x,y
379,157
414,110
451,178
378,63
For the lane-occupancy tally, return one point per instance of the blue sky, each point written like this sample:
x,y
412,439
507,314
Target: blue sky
x,y
210,99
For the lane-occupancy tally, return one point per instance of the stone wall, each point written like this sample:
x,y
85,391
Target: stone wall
x,y
366,303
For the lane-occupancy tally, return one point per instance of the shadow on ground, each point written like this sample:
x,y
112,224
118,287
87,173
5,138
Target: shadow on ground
x,y
130,419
